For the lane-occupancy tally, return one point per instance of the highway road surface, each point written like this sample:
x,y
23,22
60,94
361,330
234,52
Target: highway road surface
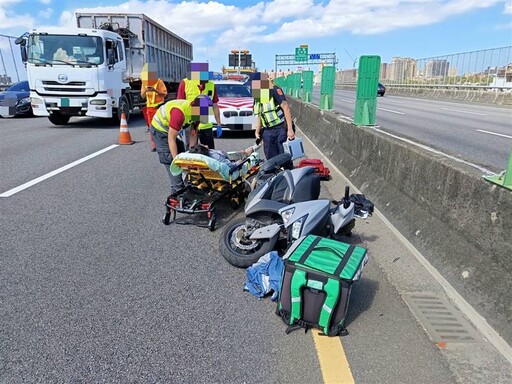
x,y
477,133
94,288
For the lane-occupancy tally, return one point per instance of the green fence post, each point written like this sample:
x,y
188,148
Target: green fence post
x,y
285,84
504,178
366,92
297,77
291,79
307,88
327,87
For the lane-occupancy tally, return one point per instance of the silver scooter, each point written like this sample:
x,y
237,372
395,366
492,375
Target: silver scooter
x,y
282,210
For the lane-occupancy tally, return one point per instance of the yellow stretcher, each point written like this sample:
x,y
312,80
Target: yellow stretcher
x,y
206,182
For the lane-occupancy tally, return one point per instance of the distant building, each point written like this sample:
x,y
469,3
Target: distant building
x,y
347,76
436,68
384,67
5,80
401,69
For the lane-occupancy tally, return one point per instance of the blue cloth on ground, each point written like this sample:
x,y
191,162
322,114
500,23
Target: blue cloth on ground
x,y
265,276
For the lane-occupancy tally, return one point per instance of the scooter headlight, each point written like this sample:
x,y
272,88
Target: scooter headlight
x,y
287,215
297,227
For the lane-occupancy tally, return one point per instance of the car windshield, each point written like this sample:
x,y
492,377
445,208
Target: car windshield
x,y
22,86
232,90
63,50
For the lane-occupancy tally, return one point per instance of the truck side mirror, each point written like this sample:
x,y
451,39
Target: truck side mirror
x,y
23,51
22,42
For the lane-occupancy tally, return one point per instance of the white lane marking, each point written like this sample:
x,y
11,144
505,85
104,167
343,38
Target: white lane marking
x,y
494,133
461,111
478,320
346,101
56,172
390,110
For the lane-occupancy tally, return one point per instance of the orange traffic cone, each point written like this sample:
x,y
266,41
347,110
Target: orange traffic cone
x,y
124,134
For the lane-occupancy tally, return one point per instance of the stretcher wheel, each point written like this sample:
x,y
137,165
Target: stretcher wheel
x,y
211,223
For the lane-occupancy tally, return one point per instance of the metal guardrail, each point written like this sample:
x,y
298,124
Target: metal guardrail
x,y
488,68
440,86
11,66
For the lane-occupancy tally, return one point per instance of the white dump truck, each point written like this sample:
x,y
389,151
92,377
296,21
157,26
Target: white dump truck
x,y
95,70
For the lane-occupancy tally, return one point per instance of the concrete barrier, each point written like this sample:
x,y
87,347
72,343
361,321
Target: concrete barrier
x,y
461,223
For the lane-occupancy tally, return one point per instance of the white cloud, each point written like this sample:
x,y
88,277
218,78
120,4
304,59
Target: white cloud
x,y
373,16
508,7
9,19
215,28
277,10
46,13
46,2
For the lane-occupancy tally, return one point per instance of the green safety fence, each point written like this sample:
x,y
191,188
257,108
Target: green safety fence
x,y
296,88
327,87
504,179
307,86
366,92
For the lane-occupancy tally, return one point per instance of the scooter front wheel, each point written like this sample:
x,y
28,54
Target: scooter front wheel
x,y
238,249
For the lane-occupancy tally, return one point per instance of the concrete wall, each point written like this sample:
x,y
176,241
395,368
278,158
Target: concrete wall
x,y
461,223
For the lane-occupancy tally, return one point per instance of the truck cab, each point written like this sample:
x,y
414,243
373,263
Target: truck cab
x,y
77,74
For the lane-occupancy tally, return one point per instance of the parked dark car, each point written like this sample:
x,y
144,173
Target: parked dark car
x,y
381,90
15,100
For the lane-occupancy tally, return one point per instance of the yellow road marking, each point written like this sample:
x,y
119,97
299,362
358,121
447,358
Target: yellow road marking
x,y
333,362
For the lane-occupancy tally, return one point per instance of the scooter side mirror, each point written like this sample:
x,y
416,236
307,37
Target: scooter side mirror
x,y
346,198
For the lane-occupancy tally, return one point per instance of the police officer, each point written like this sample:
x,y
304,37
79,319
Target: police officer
x,y
274,116
165,127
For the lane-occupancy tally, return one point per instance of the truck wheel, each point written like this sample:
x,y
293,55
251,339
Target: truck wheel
x,y
58,118
124,107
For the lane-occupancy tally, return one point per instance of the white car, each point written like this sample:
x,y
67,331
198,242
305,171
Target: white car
x,y
235,104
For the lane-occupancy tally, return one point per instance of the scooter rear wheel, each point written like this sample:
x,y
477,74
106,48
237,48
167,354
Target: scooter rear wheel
x,y
236,247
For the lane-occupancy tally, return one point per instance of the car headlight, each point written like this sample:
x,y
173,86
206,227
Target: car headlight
x,y
25,100
287,215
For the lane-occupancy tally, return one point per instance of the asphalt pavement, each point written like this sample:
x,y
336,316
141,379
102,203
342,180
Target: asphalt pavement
x,y
94,288
476,133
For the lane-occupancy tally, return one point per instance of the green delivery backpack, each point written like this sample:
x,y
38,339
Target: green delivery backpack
x,y
317,281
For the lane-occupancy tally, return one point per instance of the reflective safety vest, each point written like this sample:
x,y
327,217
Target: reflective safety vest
x,y
269,112
152,98
163,115
192,91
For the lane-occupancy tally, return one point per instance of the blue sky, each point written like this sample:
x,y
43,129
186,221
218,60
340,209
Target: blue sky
x,y
350,28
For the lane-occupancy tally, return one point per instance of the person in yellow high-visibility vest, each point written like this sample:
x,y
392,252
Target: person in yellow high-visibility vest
x,y
200,83
274,122
166,125
154,91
